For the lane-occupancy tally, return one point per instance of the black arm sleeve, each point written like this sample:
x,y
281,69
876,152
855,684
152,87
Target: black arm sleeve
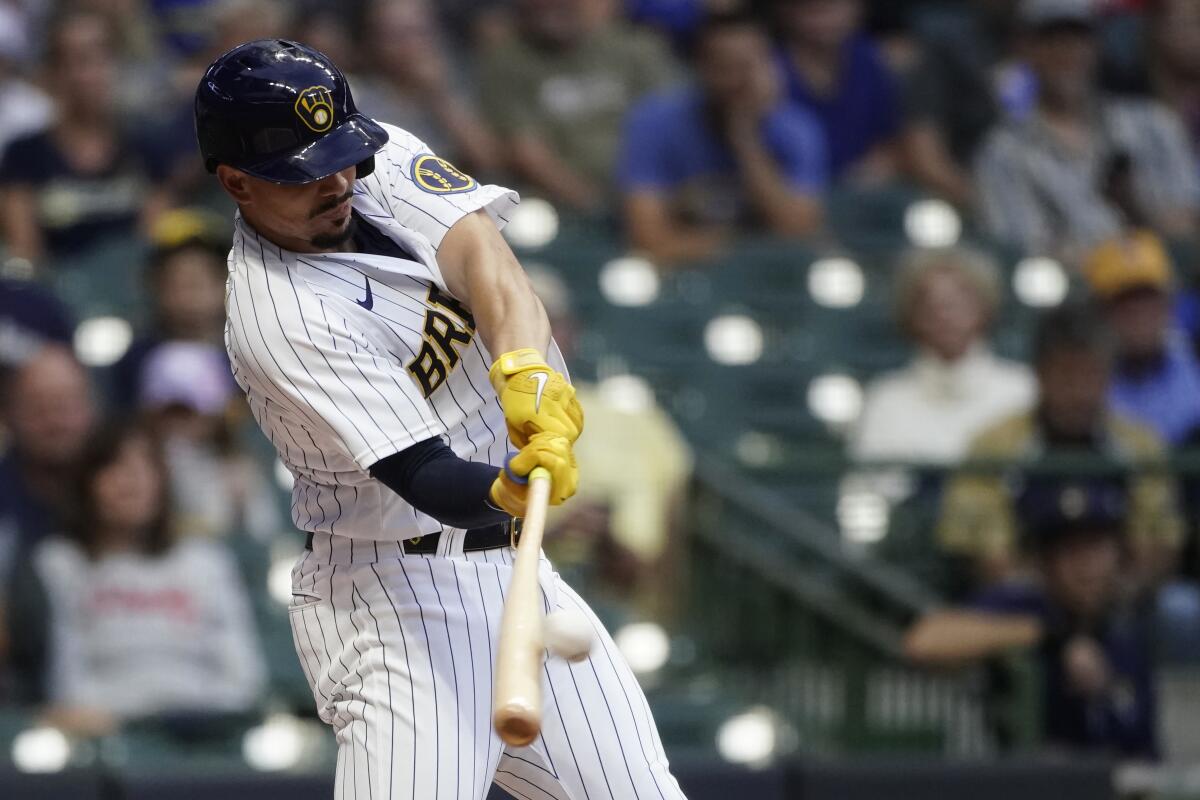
x,y
435,481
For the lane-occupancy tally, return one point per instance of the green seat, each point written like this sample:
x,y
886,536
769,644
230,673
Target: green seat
x,y
107,280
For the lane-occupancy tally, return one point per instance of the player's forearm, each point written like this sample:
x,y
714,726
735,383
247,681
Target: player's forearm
x,y
953,638
509,315
481,270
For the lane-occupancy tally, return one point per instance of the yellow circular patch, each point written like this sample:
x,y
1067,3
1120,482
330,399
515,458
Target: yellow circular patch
x,y
438,176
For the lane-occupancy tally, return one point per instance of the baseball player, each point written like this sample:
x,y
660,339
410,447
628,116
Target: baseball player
x,y
369,288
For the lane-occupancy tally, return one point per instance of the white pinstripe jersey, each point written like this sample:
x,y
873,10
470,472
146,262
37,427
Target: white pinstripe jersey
x,y
347,358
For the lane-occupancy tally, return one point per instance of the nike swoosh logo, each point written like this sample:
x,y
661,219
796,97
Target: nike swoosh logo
x,y
541,379
368,301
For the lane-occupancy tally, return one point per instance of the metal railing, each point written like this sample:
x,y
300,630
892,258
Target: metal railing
x,y
796,623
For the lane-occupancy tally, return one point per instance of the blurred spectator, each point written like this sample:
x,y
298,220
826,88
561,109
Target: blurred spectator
x,y
49,409
1073,355
622,531
954,387
417,87
170,123
326,28
31,316
28,107
676,19
139,61
83,180
186,281
475,24
1043,180
186,389
1157,375
134,37
832,69
1093,649
558,91
966,78
698,160
890,26
139,624
182,25
1172,60
237,21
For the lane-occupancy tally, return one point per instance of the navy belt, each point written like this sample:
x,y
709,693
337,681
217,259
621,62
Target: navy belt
x,y
502,534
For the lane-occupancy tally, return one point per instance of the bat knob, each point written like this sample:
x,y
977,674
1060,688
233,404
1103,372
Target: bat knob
x,y
517,726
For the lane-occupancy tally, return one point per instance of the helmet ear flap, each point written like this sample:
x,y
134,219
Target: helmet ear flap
x,y
365,167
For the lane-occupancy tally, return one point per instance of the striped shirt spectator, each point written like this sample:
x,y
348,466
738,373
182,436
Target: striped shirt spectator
x,y
1047,194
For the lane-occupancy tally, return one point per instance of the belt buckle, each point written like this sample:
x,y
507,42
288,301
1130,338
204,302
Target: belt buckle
x,y
514,532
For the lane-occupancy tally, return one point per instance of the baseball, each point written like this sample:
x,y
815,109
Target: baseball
x,y
568,635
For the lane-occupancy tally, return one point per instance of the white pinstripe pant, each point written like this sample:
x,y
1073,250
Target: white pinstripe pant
x,y
399,652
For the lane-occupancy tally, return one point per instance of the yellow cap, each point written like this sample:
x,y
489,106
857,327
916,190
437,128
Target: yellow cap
x,y
179,225
1138,260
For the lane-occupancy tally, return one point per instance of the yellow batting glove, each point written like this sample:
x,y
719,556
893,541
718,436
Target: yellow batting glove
x,y
510,491
535,398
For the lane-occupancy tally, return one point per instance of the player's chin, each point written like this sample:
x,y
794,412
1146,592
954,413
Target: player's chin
x,y
333,233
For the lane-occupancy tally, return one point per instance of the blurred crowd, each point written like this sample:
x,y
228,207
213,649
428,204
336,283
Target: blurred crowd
x,y
1065,129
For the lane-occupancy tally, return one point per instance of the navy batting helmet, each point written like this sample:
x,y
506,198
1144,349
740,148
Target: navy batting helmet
x,y
282,112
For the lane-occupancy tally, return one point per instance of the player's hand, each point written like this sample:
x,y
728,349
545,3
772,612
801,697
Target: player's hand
x,y
535,398
551,451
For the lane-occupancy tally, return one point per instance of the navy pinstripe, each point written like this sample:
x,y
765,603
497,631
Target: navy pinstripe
x,y
363,693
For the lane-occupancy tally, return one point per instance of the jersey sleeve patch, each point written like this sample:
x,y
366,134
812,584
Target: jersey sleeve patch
x,y
438,176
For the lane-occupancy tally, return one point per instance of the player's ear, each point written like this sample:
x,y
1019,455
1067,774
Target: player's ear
x,y
235,182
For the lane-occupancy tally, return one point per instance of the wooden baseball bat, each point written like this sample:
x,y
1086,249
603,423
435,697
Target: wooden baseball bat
x,y
517,695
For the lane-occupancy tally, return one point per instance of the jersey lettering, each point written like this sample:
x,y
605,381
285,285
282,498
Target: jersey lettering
x,y
451,304
442,339
428,369
446,334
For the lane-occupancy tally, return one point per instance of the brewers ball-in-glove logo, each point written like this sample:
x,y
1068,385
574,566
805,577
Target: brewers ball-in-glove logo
x,y
314,106
439,176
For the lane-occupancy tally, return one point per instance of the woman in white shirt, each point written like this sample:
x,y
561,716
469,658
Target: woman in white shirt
x,y
140,624
929,411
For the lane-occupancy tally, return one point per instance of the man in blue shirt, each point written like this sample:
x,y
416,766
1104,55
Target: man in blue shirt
x,y
1157,376
838,74
1092,649
700,161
